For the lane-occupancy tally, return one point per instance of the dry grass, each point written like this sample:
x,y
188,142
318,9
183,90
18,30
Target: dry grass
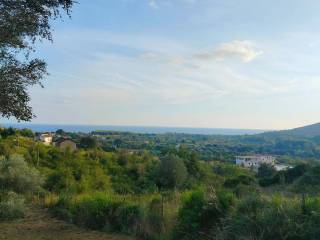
x,y
38,224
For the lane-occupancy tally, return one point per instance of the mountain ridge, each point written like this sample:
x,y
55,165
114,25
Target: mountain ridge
x,y
311,130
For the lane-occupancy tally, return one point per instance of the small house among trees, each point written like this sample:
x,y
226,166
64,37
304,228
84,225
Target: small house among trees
x,y
46,138
66,143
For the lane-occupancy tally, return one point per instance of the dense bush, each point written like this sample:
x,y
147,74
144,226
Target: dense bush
x,y
266,171
17,176
88,142
101,212
153,225
266,182
201,211
11,206
309,182
241,179
256,217
252,217
284,177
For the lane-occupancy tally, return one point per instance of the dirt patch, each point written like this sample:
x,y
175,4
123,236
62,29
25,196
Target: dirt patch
x,y
39,224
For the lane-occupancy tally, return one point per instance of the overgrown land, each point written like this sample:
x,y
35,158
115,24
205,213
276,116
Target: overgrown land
x,y
148,186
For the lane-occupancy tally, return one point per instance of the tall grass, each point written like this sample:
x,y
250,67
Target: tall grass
x,y
148,216
11,206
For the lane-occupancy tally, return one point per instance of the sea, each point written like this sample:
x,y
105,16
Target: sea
x,y
135,129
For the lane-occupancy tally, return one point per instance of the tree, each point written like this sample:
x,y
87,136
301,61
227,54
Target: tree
x,y
60,132
22,23
6,132
191,160
266,171
309,182
172,172
17,176
88,142
26,133
293,173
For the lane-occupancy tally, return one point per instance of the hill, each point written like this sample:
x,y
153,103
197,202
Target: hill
x,y
305,131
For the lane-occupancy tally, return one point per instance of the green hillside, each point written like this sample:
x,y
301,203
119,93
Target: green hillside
x,y
312,130
171,194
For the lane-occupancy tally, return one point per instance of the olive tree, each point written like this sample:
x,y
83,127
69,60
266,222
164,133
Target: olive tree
x,y
17,176
22,23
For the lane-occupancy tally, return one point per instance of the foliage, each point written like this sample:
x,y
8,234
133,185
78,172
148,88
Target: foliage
x,y
11,206
153,224
15,175
241,179
289,148
138,191
172,172
266,171
309,182
132,173
101,212
200,212
88,142
259,218
22,22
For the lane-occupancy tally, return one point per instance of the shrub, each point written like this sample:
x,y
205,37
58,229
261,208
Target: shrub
x,y
266,182
99,212
11,206
241,179
309,182
278,218
293,173
61,208
200,213
266,171
17,176
154,220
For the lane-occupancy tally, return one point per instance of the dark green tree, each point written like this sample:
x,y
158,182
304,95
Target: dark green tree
x,y
266,171
6,132
26,133
88,142
22,23
172,172
60,132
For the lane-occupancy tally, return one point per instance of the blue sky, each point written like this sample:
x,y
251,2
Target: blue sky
x,y
187,63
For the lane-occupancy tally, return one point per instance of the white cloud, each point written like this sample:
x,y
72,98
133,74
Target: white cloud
x,y
235,50
243,51
148,73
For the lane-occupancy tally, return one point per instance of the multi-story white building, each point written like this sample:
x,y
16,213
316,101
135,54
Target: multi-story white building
x,y
254,161
46,138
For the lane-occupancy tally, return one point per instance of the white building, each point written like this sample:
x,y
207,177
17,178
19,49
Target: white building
x,y
46,138
254,161
282,167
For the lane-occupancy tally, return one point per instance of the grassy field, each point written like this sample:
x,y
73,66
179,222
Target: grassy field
x,y
38,224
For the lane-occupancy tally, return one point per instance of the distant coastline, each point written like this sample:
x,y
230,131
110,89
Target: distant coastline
x,y
135,129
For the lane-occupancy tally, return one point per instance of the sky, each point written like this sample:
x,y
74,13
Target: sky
x,y
183,63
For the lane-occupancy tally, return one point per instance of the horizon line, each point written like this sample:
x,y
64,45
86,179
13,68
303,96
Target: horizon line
x,y
128,125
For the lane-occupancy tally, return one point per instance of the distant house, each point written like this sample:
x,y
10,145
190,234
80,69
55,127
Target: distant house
x,y
66,143
46,138
254,161
282,167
